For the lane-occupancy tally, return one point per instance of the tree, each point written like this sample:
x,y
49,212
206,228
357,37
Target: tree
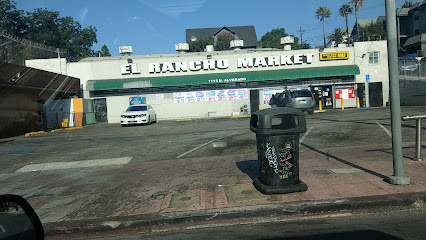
x,y
200,44
47,27
344,11
336,36
305,45
322,13
105,51
272,39
223,40
374,31
407,4
12,20
357,4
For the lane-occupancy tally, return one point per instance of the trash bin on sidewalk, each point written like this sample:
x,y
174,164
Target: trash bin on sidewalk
x,y
277,136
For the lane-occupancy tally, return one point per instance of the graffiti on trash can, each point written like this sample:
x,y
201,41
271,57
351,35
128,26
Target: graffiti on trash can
x,y
285,156
271,155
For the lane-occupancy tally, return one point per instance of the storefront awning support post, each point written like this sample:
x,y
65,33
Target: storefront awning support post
x,y
398,178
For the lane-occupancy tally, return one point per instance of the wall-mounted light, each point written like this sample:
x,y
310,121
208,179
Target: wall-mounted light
x,y
363,55
129,60
209,56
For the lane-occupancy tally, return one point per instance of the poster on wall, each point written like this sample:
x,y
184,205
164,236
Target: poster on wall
x,y
220,95
178,97
199,96
345,92
209,96
242,94
267,94
231,94
189,97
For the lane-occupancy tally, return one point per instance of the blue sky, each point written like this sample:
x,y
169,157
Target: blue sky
x,y
154,26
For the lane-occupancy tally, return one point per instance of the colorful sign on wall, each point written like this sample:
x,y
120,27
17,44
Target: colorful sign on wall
x,y
209,96
137,100
344,92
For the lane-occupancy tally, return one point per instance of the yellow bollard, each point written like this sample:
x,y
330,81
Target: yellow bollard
x,y
320,105
343,104
260,107
357,102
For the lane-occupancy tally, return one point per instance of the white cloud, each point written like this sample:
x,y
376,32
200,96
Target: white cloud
x,y
151,27
173,8
133,19
83,13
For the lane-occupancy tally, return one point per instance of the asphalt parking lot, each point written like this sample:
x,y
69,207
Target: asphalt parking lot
x,y
168,140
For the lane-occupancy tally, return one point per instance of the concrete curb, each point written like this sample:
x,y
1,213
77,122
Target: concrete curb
x,y
57,130
34,133
73,128
164,221
183,120
240,116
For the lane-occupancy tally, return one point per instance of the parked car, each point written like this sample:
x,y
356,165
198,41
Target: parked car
x,y
410,67
301,99
138,114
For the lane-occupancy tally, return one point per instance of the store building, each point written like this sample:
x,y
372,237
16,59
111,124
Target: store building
x,y
216,84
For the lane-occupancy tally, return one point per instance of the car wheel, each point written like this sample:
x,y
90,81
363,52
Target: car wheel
x,y
311,112
149,120
155,118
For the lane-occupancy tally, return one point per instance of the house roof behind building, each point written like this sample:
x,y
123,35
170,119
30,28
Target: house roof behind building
x,y
246,33
365,22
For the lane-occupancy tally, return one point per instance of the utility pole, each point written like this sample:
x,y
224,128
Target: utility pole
x,y
398,177
301,34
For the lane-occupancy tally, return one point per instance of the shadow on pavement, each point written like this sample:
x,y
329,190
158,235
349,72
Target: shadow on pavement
x,y
343,161
369,123
249,167
389,151
355,235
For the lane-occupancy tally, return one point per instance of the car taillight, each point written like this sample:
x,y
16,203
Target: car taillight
x,y
290,100
313,98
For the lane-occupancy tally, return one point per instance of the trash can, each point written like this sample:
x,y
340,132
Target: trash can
x,y
277,136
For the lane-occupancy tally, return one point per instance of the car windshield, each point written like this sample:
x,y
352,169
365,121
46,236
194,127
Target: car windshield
x,y
136,108
301,93
159,116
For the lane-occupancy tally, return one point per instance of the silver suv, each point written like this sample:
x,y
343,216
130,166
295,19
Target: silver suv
x,y
301,99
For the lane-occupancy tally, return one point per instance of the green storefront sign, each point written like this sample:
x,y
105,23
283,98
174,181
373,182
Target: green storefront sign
x,y
229,77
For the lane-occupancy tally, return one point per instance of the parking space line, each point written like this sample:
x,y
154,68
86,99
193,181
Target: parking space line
x,y
306,134
202,145
384,129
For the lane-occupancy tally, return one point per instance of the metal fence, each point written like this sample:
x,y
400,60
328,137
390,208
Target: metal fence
x,y
412,69
67,119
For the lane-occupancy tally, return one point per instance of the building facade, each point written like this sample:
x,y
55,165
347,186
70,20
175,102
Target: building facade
x,y
217,84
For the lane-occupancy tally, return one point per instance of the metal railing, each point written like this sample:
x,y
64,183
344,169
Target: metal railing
x,y
412,69
418,119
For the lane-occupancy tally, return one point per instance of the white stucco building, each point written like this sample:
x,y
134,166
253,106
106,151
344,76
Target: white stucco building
x,y
214,84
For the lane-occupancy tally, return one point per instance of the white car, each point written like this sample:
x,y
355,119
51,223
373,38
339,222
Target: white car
x,y
138,114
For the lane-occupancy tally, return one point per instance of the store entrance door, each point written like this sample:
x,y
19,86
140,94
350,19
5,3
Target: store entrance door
x,y
325,94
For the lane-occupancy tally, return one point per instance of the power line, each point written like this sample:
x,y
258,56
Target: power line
x,y
301,34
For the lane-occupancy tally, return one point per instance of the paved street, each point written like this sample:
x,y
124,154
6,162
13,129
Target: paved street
x,y
396,225
196,138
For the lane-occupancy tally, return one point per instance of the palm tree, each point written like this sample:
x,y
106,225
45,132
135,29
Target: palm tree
x,y
357,4
344,11
322,13
336,36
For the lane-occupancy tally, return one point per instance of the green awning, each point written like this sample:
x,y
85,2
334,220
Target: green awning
x,y
197,79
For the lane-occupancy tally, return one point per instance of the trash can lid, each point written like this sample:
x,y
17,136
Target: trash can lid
x,y
280,120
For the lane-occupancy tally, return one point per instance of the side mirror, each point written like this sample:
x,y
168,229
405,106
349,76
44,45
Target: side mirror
x,y
18,219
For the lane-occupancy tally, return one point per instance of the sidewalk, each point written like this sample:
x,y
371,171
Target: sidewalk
x,y
208,189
